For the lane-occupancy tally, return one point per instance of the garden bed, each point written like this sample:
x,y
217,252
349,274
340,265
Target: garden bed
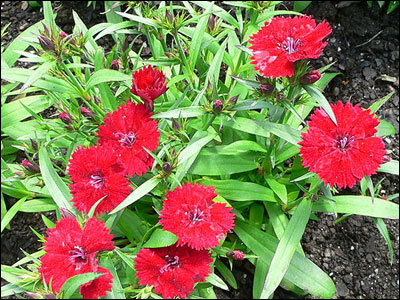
x,y
364,42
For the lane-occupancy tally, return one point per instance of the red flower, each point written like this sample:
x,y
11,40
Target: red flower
x,y
148,84
282,41
190,213
97,172
172,270
129,129
71,250
345,153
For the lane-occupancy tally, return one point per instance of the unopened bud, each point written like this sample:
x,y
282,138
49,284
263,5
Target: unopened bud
x,y
69,128
386,158
96,100
30,166
46,44
266,88
211,22
167,168
310,78
86,112
35,145
65,213
169,54
281,97
233,100
65,117
384,198
176,125
169,16
114,65
235,254
217,106
63,34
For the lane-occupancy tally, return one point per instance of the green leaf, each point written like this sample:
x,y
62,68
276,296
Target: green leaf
x,y
380,224
211,164
391,167
190,153
264,128
215,280
139,19
215,67
385,128
378,103
301,272
251,104
161,238
250,84
195,44
116,292
226,273
278,188
240,191
137,194
129,261
300,5
73,283
38,205
57,188
106,75
38,74
287,247
183,112
359,205
11,213
315,93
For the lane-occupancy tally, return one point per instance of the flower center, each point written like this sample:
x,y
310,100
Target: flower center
x,y
78,257
126,139
170,262
96,181
344,143
195,215
290,45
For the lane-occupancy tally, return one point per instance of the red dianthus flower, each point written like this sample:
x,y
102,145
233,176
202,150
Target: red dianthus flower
x,y
148,84
282,41
128,130
97,172
345,153
190,213
71,250
172,270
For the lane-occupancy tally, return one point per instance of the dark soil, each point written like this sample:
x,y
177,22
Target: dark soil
x,y
365,44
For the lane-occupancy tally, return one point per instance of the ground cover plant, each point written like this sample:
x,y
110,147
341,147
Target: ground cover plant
x,y
213,140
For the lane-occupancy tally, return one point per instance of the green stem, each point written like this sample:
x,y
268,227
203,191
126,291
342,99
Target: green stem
x,y
209,122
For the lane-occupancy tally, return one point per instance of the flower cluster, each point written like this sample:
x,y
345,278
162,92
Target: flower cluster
x,y
199,223
71,250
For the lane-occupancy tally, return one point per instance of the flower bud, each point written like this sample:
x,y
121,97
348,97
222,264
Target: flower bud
x,y
63,34
386,158
281,97
169,16
46,44
233,100
65,213
235,254
69,128
65,117
211,22
266,88
176,125
167,168
86,112
217,106
310,78
114,65
30,166
34,145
